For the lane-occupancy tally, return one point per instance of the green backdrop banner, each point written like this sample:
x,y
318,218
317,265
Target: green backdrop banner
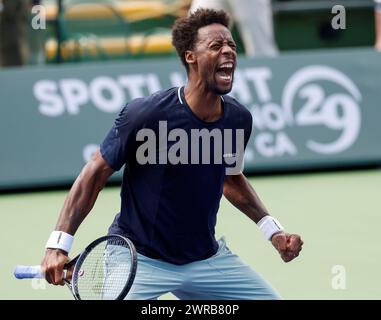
x,y
311,110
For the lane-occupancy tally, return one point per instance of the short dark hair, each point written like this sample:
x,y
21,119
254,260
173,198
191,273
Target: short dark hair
x,y
184,31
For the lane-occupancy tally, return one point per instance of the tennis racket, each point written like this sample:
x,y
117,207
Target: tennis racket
x,y
105,270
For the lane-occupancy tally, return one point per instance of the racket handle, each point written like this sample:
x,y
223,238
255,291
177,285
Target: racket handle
x,y
28,272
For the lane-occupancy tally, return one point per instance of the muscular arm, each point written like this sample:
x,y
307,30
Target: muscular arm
x,y
77,205
83,194
238,190
241,194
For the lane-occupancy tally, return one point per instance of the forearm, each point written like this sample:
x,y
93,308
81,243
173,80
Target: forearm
x,y
82,196
238,190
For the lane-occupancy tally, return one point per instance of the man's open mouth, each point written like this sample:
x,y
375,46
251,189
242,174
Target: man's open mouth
x,y
225,71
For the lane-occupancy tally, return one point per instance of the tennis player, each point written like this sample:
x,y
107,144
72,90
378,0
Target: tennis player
x,y
170,199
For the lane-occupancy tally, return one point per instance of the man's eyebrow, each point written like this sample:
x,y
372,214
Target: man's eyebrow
x,y
222,38
209,38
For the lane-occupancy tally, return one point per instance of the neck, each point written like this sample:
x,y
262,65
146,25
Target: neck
x,y
205,105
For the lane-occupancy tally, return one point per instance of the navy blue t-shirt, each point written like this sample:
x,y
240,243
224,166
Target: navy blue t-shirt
x,y
169,209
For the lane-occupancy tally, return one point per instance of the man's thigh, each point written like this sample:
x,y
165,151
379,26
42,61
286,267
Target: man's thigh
x,y
225,276
153,279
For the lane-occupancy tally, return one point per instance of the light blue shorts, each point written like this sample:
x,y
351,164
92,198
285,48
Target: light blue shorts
x,y
223,276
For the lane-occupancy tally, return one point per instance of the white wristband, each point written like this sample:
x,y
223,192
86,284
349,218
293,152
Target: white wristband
x,y
60,240
269,226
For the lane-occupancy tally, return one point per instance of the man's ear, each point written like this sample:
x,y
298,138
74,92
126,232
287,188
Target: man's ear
x,y
190,57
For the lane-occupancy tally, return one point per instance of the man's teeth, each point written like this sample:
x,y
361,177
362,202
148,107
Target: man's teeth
x,y
227,65
225,71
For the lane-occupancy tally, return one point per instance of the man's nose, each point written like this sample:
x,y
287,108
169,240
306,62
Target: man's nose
x,y
226,49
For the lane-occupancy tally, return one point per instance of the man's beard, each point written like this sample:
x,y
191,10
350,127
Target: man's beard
x,y
213,87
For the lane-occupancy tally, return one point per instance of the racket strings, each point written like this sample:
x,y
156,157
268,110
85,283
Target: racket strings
x,y
105,270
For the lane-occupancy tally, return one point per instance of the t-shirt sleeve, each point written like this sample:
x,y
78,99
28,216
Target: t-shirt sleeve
x,y
120,141
248,127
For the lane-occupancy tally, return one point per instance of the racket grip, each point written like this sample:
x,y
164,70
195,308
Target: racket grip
x,y
28,272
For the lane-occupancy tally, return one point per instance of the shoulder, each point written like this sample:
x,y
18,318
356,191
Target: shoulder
x,y
157,98
165,96
146,108
236,109
153,100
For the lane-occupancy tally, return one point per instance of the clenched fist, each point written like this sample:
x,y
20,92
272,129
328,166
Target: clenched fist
x,y
288,245
53,265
